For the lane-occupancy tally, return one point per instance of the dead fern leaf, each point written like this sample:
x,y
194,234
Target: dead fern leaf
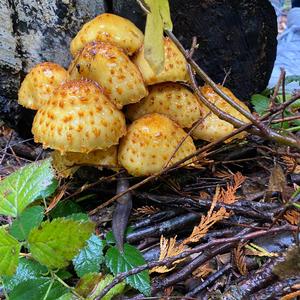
x,y
168,248
291,296
145,211
223,174
240,260
228,195
203,271
290,163
207,221
293,217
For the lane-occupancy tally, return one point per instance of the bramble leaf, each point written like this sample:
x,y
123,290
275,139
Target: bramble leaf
x,y
122,262
260,103
90,257
28,219
36,289
26,185
55,243
27,269
9,253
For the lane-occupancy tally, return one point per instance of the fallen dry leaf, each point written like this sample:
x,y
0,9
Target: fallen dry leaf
x,y
239,259
207,221
168,248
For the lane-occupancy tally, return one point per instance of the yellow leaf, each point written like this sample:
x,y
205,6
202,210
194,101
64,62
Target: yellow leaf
x,y
153,43
164,9
168,248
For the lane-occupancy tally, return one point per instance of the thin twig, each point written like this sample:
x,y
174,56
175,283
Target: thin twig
x,y
169,260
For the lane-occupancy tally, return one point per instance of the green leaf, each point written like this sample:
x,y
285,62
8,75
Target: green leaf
x,y
55,243
67,296
164,9
122,262
29,218
153,43
260,103
65,208
78,217
27,269
24,186
90,257
36,289
116,290
290,79
110,239
9,253
87,284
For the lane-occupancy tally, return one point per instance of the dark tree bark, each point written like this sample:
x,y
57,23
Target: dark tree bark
x,y
34,31
232,34
236,35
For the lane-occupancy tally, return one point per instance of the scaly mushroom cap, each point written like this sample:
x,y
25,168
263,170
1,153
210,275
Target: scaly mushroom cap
x,y
213,128
111,29
40,83
113,70
175,68
66,164
149,144
170,99
78,118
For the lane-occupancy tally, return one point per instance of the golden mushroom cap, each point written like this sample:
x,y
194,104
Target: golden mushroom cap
x,y
175,67
170,99
40,83
78,118
66,164
149,144
109,28
212,127
113,70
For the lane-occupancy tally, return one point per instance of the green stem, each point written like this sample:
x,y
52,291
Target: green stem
x,y
48,290
292,129
3,289
54,276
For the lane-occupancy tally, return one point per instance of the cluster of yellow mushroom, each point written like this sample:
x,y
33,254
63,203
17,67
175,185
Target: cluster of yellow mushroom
x,y
81,113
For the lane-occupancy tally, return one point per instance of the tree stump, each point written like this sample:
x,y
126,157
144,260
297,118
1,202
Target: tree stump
x,y
34,31
235,36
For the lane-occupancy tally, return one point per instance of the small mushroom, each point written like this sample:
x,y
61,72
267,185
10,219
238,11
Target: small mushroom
x,y
112,29
66,164
78,118
175,66
150,143
212,127
113,70
171,99
40,83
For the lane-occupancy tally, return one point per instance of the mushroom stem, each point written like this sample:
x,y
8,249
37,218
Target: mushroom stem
x,y
122,212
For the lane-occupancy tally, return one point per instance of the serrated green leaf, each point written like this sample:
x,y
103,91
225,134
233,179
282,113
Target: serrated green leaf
x,y
110,239
122,262
260,103
24,186
27,269
290,79
36,289
55,243
9,253
28,219
116,290
90,257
